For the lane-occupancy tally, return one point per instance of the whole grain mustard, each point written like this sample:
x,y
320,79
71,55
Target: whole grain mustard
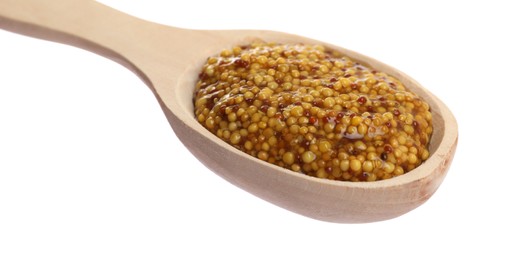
x,y
314,111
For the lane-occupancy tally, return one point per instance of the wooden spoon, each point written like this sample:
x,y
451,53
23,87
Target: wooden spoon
x,y
168,60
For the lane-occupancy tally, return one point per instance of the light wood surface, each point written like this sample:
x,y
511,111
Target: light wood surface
x,y
168,61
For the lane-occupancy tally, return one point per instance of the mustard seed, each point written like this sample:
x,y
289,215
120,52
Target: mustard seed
x,y
308,157
313,110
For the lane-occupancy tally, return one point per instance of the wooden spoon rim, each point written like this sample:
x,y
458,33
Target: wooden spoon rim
x,y
438,151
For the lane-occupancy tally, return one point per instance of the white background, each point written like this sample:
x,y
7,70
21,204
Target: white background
x,y
90,168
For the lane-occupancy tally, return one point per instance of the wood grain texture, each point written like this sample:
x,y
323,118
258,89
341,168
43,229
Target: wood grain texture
x,y
168,60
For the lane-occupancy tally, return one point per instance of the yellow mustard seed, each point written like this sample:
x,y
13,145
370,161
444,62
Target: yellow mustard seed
x,y
344,165
289,158
235,138
367,166
355,165
313,110
308,157
324,146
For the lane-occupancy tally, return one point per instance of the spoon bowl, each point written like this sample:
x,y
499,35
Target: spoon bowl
x,y
168,60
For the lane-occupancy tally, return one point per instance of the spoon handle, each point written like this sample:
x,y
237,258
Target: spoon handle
x,y
85,24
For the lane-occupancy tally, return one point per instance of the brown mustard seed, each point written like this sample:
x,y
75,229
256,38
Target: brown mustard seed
x,y
314,111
